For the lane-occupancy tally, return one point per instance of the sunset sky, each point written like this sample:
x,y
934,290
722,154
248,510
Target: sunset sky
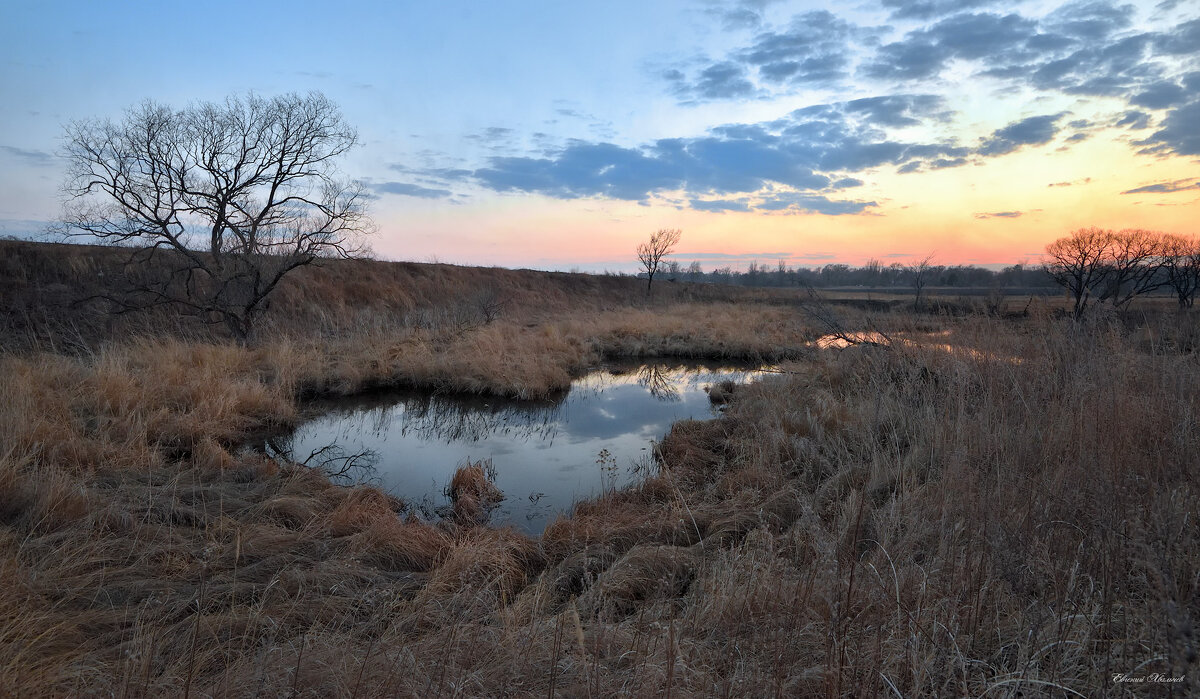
x,y
558,135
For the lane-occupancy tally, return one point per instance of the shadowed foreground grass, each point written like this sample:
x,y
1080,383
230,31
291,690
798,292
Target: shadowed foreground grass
x,y
1014,520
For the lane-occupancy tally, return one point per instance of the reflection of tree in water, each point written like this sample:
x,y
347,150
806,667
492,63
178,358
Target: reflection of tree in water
x,y
473,419
660,381
444,418
332,459
667,383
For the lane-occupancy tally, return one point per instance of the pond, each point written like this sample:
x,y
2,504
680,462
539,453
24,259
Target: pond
x,y
544,455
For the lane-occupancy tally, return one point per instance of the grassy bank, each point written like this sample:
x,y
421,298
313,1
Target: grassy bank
x,y
1013,520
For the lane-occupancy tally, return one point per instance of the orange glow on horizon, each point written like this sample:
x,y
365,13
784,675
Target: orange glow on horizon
x,y
944,213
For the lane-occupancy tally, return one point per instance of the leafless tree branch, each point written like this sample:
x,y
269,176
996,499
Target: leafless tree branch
x,y
239,194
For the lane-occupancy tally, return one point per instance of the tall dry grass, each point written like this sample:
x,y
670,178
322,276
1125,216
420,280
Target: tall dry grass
x,y
55,298
1013,520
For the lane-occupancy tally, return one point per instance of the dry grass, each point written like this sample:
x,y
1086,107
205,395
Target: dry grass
x,y
879,521
473,494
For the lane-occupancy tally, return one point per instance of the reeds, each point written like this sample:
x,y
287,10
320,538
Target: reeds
x,y
872,521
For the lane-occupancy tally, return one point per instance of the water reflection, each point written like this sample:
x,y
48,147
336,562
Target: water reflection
x,y
546,454
658,379
933,340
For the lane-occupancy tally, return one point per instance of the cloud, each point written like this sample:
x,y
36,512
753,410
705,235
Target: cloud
x,y
1088,20
722,81
1000,214
740,18
1185,39
941,163
900,110
813,50
447,174
30,157
720,205
493,136
799,203
1160,95
790,164
408,190
928,9
925,52
583,169
745,14
807,160
1086,48
1085,180
1166,187
907,60
1034,130
1134,119
1178,133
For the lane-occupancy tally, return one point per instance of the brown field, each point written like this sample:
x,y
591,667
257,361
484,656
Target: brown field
x,y
1002,504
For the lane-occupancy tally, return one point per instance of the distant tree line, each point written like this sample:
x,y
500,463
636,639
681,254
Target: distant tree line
x,y
1093,265
874,274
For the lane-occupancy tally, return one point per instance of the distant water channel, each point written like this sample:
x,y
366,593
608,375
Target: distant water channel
x,y
545,455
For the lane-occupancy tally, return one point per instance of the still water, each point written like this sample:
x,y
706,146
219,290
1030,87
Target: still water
x,y
544,455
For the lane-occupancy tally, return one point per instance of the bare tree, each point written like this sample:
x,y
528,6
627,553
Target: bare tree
x,y
1181,263
1077,262
920,271
1133,266
874,271
651,253
236,194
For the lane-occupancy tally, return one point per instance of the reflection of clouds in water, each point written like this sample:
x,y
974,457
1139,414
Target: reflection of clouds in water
x,y
548,448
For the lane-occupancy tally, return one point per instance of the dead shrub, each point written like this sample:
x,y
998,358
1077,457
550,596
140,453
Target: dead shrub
x,y
360,508
497,559
208,454
645,573
693,444
473,494
391,544
291,511
576,573
473,480
721,393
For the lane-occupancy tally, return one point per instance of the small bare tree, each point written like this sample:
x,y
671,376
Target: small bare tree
x,y
920,273
237,194
1077,262
651,253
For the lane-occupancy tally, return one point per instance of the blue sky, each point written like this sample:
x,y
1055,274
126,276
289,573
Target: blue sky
x,y
559,134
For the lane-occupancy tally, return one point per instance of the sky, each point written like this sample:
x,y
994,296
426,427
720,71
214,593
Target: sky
x,y
559,135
